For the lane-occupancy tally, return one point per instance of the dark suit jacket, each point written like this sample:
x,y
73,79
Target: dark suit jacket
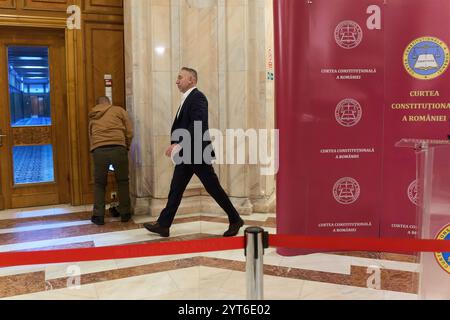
x,y
195,109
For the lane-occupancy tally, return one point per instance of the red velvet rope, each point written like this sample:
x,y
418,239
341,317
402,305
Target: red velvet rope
x,y
10,259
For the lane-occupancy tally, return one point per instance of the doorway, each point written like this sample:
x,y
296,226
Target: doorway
x,y
34,153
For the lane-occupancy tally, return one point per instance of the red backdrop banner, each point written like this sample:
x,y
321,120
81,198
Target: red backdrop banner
x,y
346,73
417,100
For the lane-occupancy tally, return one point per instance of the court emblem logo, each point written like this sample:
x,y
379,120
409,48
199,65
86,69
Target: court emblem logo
x,y
426,58
348,34
348,113
443,258
346,191
413,193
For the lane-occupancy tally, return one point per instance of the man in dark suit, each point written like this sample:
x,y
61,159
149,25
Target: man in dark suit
x,y
191,116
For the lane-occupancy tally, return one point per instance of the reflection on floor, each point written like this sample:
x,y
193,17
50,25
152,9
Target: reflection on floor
x,y
211,276
33,164
33,121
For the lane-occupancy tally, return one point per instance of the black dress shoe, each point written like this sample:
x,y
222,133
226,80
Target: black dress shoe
x,y
113,212
155,227
100,221
125,218
116,214
233,229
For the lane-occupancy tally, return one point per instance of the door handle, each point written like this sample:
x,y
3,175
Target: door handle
x,y
1,142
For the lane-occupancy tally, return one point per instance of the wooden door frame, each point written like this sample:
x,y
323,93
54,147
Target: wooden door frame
x,y
74,91
39,193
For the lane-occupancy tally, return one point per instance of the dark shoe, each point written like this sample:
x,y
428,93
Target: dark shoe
x,y
233,229
100,221
156,228
125,218
113,212
116,214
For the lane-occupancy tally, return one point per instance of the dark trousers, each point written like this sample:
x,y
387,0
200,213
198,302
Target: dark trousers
x,y
181,177
103,158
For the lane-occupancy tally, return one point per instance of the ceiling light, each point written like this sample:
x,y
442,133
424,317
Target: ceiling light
x,y
30,67
31,58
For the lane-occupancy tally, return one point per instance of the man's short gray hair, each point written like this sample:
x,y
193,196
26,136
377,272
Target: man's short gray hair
x,y
193,72
103,100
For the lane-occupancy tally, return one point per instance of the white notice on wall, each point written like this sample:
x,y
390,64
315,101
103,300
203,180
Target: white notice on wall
x,y
108,87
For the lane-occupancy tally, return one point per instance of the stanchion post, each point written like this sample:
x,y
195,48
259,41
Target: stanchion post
x,y
256,240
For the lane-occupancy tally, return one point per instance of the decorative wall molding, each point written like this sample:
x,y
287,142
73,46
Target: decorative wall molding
x,y
8,4
32,136
32,21
46,5
103,6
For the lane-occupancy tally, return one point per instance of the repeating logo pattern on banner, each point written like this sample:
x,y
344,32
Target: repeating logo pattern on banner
x,y
413,193
348,113
348,34
358,50
426,58
346,190
443,258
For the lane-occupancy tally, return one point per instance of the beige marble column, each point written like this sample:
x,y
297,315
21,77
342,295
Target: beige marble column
x,y
223,41
262,95
137,100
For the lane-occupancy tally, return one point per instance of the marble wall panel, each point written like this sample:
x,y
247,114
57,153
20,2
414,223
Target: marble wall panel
x,y
227,42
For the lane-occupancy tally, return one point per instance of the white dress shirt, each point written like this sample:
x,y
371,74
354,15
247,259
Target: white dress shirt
x,y
185,95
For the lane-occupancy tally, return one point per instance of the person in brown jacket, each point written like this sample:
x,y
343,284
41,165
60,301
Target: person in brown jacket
x,y
110,136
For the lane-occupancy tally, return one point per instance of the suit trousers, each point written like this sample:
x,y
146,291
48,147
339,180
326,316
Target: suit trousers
x,y
181,177
103,158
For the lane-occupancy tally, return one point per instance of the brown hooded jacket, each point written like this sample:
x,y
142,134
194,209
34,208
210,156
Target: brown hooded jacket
x,y
109,125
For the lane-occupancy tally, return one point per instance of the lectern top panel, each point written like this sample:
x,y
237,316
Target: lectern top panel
x,y
414,143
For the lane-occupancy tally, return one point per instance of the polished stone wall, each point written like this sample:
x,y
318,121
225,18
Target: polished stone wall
x,y
229,43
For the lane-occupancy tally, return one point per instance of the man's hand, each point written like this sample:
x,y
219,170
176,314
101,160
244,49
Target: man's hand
x,y
175,148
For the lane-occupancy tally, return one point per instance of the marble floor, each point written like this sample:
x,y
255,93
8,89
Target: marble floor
x,y
203,276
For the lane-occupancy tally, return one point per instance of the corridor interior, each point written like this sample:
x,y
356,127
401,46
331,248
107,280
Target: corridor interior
x,y
206,276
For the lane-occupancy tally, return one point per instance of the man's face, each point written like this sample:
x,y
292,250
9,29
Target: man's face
x,y
185,81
